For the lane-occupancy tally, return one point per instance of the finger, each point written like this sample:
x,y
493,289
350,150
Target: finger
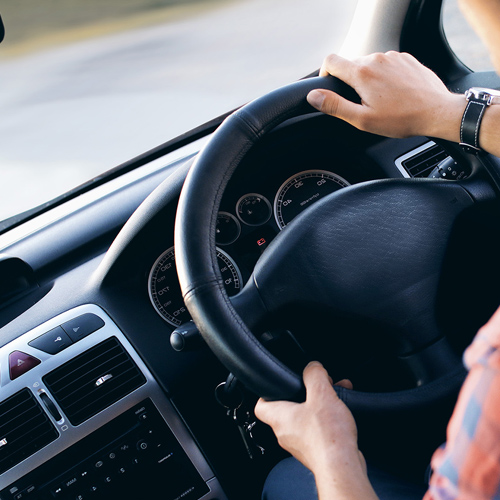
x,y
262,411
270,412
317,381
338,66
333,104
345,383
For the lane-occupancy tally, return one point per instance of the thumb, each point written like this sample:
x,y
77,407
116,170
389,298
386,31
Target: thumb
x,y
333,104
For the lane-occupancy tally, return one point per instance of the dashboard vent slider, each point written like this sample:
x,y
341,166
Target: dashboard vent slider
x,y
94,380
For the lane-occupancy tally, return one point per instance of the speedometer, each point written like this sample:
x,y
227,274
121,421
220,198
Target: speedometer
x,y
165,291
301,191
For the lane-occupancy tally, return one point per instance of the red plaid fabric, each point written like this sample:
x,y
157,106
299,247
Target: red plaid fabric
x,y
468,466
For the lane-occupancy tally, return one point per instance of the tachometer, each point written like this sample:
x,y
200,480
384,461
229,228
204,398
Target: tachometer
x,y
165,292
301,191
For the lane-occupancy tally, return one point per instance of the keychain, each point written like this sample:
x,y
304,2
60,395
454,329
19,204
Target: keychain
x,y
231,397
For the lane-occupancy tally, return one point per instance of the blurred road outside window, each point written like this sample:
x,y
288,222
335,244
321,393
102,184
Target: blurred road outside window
x,y
88,84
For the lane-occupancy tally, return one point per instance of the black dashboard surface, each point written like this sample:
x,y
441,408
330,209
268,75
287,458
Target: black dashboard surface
x,y
102,255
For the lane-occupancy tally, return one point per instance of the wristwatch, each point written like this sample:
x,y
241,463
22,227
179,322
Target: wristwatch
x,y
478,99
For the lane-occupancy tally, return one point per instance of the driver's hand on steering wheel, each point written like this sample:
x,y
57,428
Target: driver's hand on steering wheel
x,y
399,97
321,433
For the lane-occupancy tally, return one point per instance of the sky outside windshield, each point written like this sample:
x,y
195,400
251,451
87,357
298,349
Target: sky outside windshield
x,y
88,84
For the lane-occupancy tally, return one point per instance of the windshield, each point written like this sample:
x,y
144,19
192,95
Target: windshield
x,y
88,84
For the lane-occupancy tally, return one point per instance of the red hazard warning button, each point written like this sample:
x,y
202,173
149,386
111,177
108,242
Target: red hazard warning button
x,y
20,363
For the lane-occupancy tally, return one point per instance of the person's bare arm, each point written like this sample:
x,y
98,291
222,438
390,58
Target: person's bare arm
x,y
321,433
400,98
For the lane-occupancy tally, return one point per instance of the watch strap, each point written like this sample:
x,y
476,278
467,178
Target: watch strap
x,y
471,121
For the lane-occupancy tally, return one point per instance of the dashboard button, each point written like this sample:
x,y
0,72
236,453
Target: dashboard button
x,y
52,342
142,445
82,326
20,363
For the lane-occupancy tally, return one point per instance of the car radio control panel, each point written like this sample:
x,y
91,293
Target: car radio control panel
x,y
82,417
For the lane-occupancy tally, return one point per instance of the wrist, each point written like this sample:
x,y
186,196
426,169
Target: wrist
x,y
345,479
446,118
488,131
342,459
479,100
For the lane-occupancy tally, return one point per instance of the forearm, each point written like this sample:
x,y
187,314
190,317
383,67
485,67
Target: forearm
x,y
344,478
329,489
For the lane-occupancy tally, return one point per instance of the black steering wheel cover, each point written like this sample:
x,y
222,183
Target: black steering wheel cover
x,y
409,400
201,285
196,261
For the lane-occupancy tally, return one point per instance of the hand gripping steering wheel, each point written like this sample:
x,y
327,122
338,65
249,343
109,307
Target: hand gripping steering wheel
x,y
374,250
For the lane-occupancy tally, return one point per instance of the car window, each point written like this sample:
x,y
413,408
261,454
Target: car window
x,y
88,84
463,40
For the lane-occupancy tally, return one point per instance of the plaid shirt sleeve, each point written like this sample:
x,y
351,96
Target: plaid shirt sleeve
x,y
468,465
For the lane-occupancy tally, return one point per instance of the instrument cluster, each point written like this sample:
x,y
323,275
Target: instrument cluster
x,y
246,224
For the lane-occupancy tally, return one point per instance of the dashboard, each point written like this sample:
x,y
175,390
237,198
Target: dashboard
x,y
129,295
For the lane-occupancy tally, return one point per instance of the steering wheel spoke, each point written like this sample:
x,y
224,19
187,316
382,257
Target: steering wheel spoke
x,y
249,305
432,362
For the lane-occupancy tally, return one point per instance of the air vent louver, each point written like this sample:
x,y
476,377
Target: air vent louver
x,y
94,380
423,163
24,429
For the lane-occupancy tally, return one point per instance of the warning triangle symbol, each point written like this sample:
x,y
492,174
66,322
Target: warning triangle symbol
x,y
20,362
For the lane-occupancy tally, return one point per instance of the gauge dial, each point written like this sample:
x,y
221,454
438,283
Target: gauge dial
x,y
227,230
165,291
253,209
301,191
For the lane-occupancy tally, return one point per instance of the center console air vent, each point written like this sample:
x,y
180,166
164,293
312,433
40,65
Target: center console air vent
x,y
421,161
94,380
24,429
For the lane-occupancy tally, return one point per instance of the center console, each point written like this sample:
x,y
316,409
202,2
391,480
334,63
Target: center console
x,y
81,417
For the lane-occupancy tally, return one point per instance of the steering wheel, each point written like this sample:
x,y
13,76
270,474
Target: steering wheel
x,y
374,250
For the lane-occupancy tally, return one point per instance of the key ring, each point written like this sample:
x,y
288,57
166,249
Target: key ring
x,y
228,394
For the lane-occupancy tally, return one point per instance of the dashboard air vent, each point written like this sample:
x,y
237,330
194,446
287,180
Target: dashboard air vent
x,y
24,429
422,161
94,380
